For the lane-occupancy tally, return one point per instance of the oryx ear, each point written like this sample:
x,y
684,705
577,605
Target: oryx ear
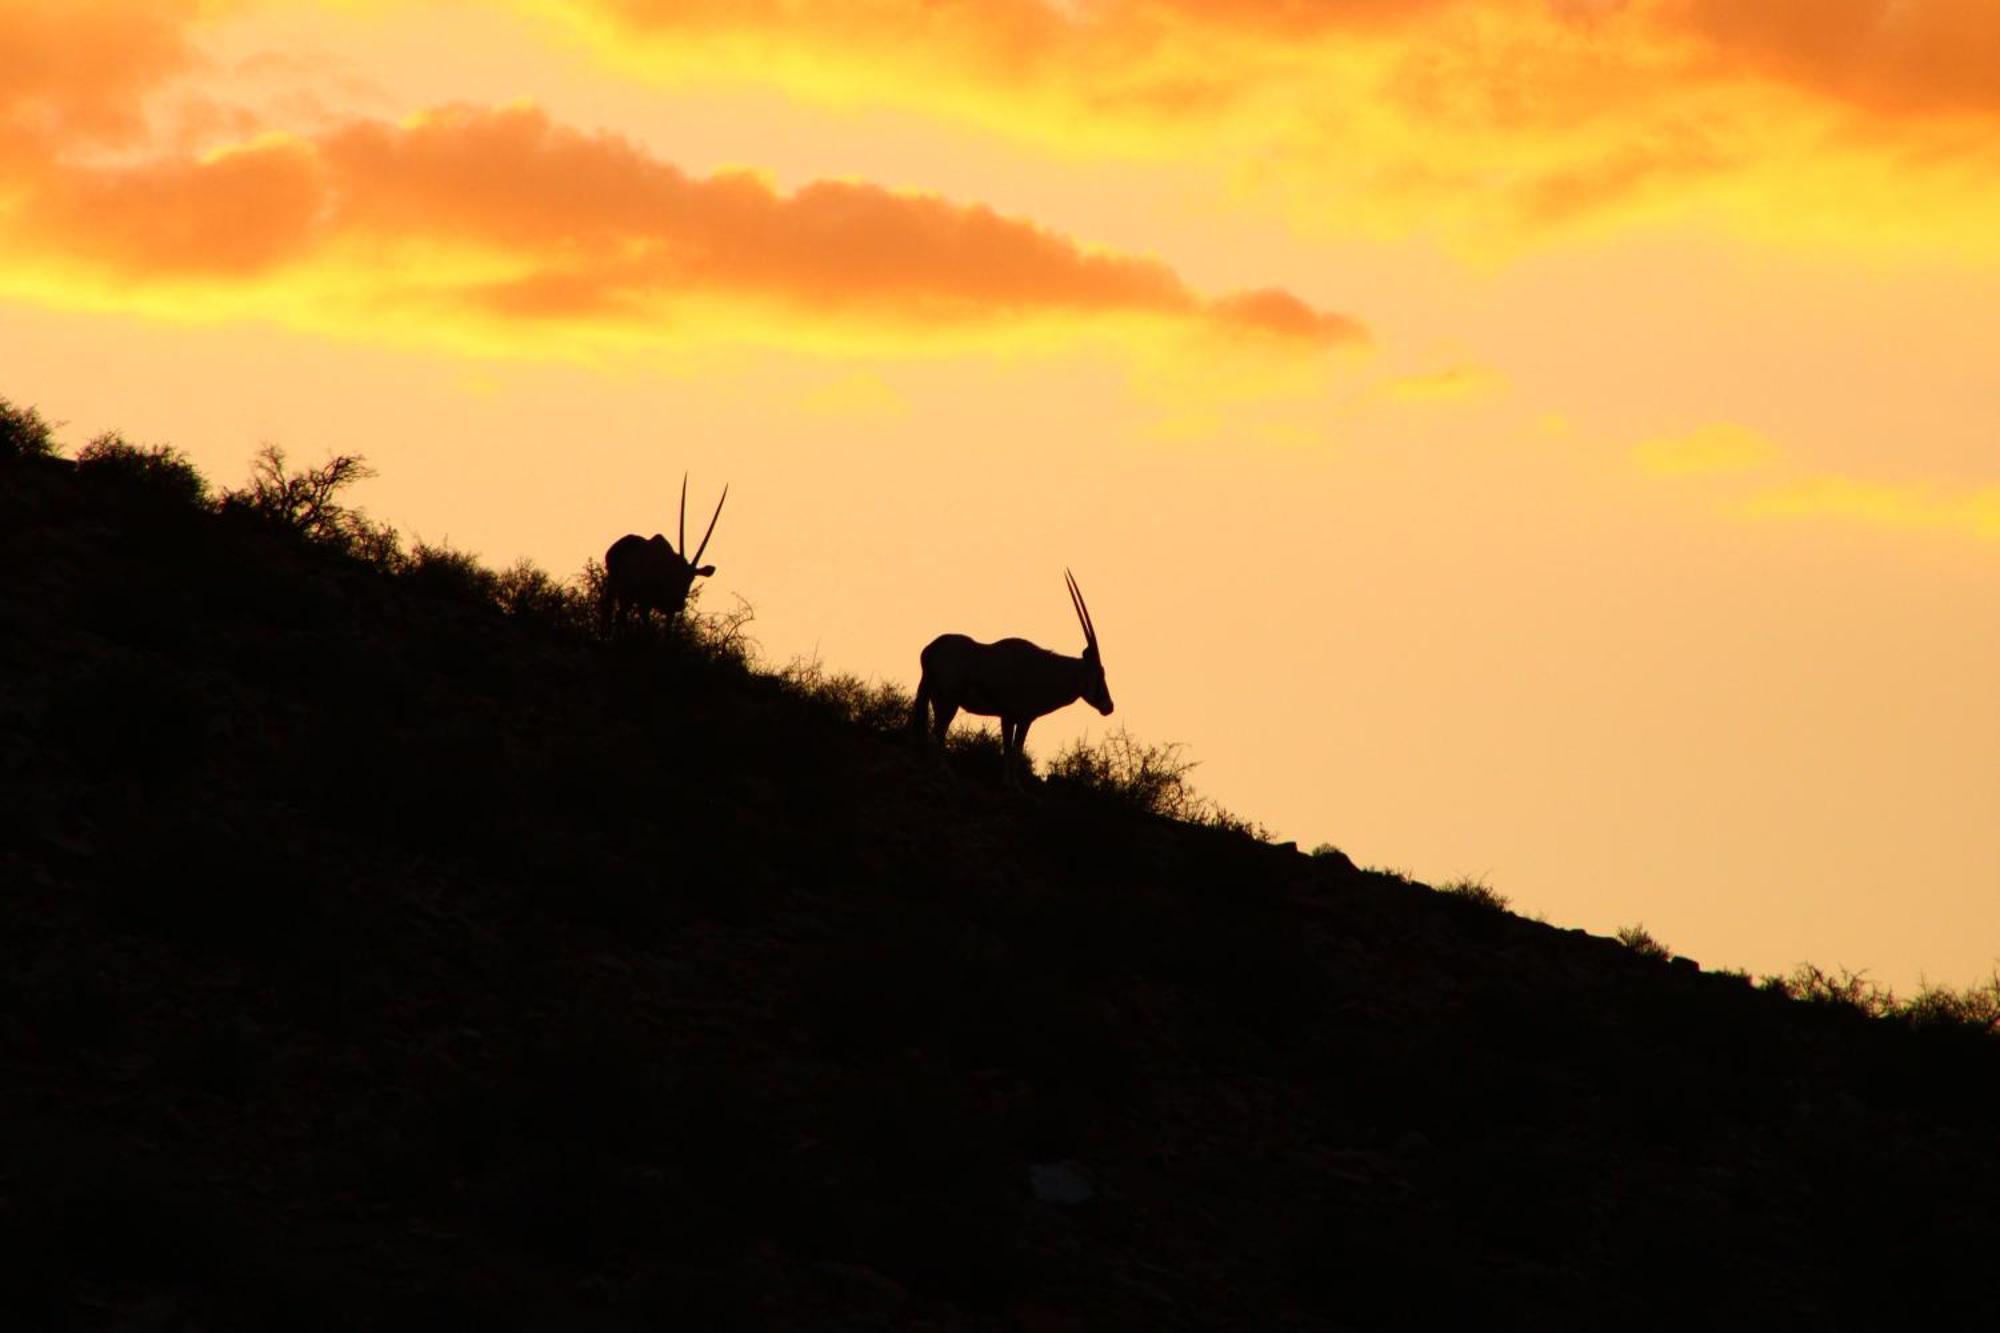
x,y
705,570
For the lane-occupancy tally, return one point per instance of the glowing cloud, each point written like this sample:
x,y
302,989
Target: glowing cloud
x,y
1909,508
1722,447
502,220
73,69
1454,384
1895,56
860,396
1486,121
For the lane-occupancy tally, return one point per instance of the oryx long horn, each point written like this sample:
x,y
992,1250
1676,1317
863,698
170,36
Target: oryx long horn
x,y
682,544
711,523
1082,611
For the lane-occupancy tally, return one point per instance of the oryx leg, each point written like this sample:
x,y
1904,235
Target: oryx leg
x,y
1013,740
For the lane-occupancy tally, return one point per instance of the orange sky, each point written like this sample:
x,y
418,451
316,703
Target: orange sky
x,y
1543,439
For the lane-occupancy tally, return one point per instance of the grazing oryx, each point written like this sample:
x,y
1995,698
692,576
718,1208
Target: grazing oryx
x,y
650,575
1012,680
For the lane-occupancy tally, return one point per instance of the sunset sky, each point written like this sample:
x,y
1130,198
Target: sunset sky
x,y
1554,441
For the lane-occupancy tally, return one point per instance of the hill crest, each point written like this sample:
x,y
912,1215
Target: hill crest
x,y
383,948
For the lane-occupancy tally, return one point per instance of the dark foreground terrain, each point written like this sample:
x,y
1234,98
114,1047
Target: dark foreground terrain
x,y
373,958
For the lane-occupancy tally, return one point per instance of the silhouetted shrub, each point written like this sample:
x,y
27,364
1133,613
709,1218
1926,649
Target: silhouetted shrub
x,y
975,751
1151,778
160,471
590,583
1975,1007
1640,941
720,636
525,592
445,570
25,433
1476,893
373,543
305,502
1936,1009
878,706
1839,989
1215,817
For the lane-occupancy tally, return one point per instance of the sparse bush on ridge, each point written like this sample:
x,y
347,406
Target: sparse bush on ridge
x,y
976,751
373,543
1640,941
720,636
159,470
25,433
1477,892
1150,778
1975,1007
881,706
1840,988
1328,854
526,592
1934,1008
444,569
590,584
305,502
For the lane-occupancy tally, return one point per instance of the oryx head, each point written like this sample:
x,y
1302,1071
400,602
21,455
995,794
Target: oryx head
x,y
695,564
1094,692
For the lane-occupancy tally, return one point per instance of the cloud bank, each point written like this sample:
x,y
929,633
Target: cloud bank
x,y
1490,121
504,219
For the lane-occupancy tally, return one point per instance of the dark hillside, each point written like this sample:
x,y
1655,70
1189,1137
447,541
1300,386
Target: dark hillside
x,y
373,958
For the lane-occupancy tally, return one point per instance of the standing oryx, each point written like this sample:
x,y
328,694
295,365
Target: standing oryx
x,y
642,574
1012,680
